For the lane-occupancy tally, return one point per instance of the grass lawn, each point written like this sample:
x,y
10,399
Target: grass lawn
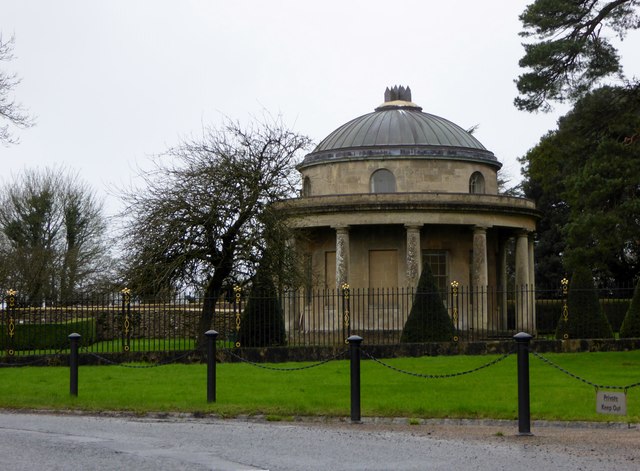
x,y
245,389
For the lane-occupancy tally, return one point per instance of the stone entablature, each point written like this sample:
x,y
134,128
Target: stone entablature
x,y
412,209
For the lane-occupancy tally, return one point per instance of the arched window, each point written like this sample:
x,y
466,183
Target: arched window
x,y
306,187
383,181
476,183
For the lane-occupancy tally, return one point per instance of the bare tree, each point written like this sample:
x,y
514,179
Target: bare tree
x,y
204,218
10,110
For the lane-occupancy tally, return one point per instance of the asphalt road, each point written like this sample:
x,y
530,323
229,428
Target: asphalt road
x,y
74,442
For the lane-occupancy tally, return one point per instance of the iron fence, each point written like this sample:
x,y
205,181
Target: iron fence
x,y
119,322
112,323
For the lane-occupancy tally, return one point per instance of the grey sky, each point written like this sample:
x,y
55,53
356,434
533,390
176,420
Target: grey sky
x,y
112,82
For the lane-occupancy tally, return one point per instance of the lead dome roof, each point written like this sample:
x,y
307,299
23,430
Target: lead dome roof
x,y
399,128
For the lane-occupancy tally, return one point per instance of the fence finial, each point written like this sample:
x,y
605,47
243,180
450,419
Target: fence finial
x,y
454,314
346,307
565,308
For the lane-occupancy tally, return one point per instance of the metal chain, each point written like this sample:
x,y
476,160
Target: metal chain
x,y
28,363
34,362
579,378
450,375
259,365
154,365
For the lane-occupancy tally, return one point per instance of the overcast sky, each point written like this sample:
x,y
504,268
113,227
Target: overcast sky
x,y
113,82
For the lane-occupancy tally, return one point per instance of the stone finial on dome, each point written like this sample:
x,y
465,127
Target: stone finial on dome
x,y
397,93
398,97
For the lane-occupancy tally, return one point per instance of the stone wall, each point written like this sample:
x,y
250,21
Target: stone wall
x,y
421,175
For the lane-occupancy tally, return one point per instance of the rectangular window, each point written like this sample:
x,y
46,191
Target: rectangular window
x,y
438,262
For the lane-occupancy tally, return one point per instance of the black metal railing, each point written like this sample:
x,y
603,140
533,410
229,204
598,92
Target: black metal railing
x,y
120,322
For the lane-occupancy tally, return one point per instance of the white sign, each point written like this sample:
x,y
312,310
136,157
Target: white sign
x,y
608,402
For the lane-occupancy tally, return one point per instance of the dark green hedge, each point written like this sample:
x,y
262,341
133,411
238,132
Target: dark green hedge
x,y
41,336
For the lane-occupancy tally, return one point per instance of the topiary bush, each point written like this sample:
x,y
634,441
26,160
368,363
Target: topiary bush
x,y
615,311
585,318
428,320
547,313
262,323
631,324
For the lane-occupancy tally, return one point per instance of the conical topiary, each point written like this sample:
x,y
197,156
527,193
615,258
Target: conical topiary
x,y
428,320
631,324
585,318
262,322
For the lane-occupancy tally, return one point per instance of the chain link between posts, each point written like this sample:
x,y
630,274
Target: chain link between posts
x,y
440,376
298,368
579,378
41,359
154,365
29,363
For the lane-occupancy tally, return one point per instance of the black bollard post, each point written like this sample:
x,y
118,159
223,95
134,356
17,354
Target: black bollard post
x,y
354,347
73,364
524,413
211,335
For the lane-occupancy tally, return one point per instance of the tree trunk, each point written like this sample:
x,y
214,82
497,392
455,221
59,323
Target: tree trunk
x,y
208,312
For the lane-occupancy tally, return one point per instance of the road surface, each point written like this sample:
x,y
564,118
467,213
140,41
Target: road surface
x,y
37,441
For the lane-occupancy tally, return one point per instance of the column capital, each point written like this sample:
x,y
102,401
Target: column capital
x,y
343,229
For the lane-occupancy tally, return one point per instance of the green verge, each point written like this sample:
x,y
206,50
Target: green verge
x,y
324,391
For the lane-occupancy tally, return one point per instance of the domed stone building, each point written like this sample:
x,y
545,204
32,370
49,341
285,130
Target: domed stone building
x,y
397,188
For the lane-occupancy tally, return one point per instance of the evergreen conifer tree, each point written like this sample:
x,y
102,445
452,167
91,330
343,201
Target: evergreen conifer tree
x,y
428,320
631,323
585,317
262,323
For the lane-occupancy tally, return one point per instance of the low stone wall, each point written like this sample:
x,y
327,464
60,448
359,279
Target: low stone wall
x,y
284,354
310,353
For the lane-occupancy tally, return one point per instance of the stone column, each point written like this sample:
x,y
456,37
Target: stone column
x,y
480,277
342,255
532,285
414,256
523,308
503,287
